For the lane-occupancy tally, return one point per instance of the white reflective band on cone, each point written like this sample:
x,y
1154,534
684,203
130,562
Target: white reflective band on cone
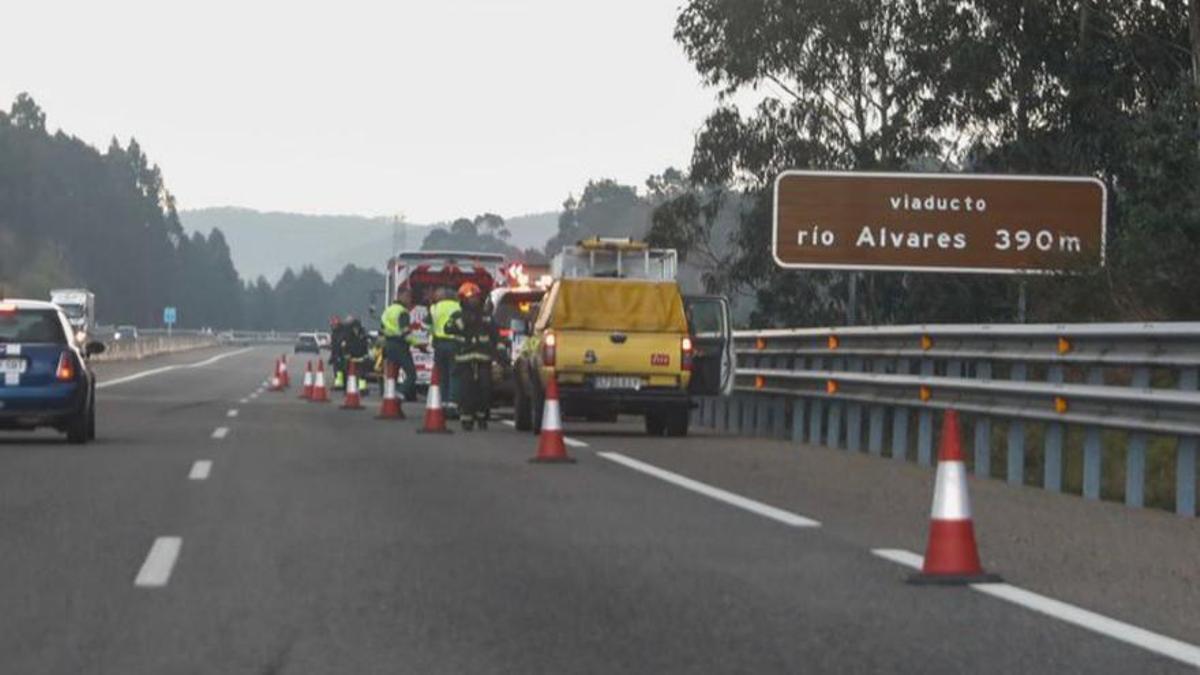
x,y
950,501
550,418
435,397
389,388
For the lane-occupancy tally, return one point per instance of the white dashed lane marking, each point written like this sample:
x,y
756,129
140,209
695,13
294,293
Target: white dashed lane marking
x,y
764,510
220,432
200,469
1098,623
232,413
156,570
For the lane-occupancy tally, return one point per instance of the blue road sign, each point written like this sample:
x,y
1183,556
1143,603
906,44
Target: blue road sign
x,y
169,316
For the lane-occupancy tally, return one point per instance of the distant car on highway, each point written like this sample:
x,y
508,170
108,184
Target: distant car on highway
x,y
125,333
44,376
307,342
324,340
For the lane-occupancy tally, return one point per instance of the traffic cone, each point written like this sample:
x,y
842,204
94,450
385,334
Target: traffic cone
x,y
435,419
307,390
951,557
551,448
352,401
320,394
389,407
285,380
276,383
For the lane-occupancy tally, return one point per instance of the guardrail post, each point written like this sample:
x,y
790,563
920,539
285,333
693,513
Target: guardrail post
x,y
1135,453
983,429
854,413
798,412
925,424
815,410
900,420
1185,457
1052,450
1016,436
1092,447
779,417
833,431
875,429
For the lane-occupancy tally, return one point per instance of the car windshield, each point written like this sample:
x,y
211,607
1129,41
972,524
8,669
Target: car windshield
x,y
307,339
31,325
73,311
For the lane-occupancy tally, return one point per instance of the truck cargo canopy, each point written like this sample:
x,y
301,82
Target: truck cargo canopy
x,y
618,305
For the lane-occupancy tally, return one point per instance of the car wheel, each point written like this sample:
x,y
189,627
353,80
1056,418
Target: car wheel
x,y
655,424
522,418
677,420
77,429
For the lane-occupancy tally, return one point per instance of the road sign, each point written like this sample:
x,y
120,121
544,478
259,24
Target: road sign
x,y
169,315
938,222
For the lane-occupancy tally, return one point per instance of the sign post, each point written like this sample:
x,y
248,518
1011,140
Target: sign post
x,y
169,316
964,223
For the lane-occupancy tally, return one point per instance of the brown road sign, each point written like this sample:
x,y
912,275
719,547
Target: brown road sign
x,y
938,222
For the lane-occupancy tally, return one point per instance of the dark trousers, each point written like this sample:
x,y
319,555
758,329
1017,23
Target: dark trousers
x,y
397,351
475,388
443,359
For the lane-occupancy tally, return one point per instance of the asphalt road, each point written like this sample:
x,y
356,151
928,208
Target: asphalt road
x,y
325,541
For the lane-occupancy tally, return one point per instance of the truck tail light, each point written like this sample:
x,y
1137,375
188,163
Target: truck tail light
x,y
66,368
686,351
549,349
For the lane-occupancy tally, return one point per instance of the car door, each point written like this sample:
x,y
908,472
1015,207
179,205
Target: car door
x,y
712,334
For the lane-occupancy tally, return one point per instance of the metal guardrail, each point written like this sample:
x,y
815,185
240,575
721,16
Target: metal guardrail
x,y
856,388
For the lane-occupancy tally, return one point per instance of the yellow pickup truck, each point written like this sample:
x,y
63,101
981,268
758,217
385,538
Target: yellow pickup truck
x,y
624,346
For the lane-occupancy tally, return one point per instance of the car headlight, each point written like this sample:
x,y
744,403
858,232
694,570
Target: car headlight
x,y
116,336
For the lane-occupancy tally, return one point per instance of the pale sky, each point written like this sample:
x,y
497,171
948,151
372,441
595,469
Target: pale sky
x,y
432,109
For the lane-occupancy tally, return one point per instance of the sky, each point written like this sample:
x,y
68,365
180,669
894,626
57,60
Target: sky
x,y
431,109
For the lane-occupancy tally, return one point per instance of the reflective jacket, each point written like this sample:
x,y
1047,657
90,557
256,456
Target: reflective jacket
x,y
395,323
478,334
440,313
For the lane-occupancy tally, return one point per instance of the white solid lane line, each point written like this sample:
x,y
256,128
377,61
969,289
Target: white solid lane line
x,y
573,442
765,510
200,469
156,571
1097,623
164,369
232,413
220,432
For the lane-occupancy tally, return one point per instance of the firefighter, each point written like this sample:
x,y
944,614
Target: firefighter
x,y
473,362
337,335
445,346
355,345
396,328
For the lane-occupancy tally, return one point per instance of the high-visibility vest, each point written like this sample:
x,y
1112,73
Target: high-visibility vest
x,y
441,311
390,321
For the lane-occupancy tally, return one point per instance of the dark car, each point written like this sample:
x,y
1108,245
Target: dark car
x,y
44,376
307,342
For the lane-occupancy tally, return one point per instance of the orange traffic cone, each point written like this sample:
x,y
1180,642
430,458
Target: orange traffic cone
x,y
352,400
551,448
951,557
435,419
285,380
276,383
389,407
307,390
320,394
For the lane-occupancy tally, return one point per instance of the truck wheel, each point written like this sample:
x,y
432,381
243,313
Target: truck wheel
x,y
521,411
655,422
677,421
538,405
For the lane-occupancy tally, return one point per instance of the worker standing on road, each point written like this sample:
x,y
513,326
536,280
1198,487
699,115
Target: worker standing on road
x,y
445,347
355,346
337,335
473,363
396,328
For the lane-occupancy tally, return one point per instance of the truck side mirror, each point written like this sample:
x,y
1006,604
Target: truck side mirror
x,y
93,348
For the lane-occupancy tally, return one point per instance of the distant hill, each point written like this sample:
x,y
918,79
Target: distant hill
x,y
267,243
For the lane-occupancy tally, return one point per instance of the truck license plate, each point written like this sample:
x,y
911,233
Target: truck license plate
x,y
606,382
12,365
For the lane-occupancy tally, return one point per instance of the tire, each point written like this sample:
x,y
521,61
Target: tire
x,y
537,409
677,421
77,429
521,411
656,423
